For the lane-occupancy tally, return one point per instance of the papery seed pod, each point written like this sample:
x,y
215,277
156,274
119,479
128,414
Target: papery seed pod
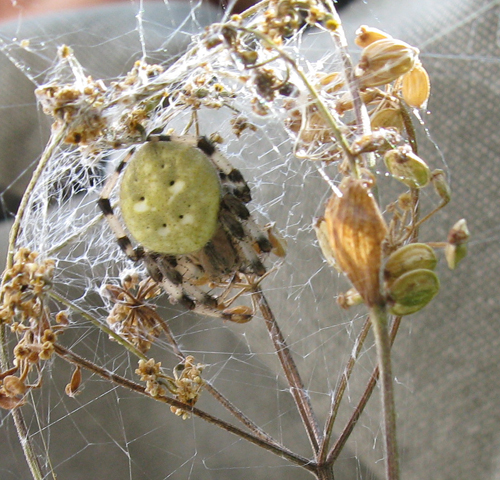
x,y
383,61
366,35
349,299
356,230
456,248
412,291
410,257
321,230
441,185
387,118
416,87
407,167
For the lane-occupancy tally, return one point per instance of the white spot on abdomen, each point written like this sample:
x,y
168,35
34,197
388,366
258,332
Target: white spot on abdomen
x,y
141,207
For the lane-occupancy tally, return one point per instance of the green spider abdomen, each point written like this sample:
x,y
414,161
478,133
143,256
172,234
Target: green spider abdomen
x,y
170,198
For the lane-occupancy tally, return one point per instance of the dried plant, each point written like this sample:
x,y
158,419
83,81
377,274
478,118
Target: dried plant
x,y
347,122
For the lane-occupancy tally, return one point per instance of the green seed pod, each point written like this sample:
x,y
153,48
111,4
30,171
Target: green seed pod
x,y
414,256
387,118
456,249
454,254
441,185
412,291
407,167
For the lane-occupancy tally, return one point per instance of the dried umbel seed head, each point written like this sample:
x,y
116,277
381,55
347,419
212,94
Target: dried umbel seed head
x,y
366,35
410,257
385,60
412,291
456,248
355,232
416,87
407,167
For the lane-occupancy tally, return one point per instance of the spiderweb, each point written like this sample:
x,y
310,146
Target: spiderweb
x,y
107,431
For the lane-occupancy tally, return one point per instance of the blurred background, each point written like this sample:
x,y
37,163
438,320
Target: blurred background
x,y
446,359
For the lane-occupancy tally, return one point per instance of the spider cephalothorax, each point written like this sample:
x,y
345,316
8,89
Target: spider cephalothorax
x,y
184,205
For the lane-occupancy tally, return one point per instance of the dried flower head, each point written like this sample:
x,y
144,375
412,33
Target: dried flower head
x,y
356,230
187,384
24,286
131,317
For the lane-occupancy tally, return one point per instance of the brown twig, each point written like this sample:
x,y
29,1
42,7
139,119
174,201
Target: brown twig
x,y
235,411
283,452
341,387
291,372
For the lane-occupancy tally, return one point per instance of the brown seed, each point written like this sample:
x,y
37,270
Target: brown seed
x,y
356,230
73,387
416,87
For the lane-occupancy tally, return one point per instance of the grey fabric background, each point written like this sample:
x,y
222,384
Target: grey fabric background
x,y
446,359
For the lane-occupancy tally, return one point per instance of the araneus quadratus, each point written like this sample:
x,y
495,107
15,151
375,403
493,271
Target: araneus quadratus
x,y
184,204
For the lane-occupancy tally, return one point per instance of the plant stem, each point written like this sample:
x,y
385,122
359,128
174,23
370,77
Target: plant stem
x,y
378,317
339,391
46,156
339,445
291,372
235,411
22,432
124,382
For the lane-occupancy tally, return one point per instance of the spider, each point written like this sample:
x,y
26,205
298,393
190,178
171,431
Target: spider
x,y
185,207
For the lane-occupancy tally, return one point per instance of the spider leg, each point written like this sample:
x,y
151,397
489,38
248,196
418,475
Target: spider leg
x,y
165,271
108,212
237,220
